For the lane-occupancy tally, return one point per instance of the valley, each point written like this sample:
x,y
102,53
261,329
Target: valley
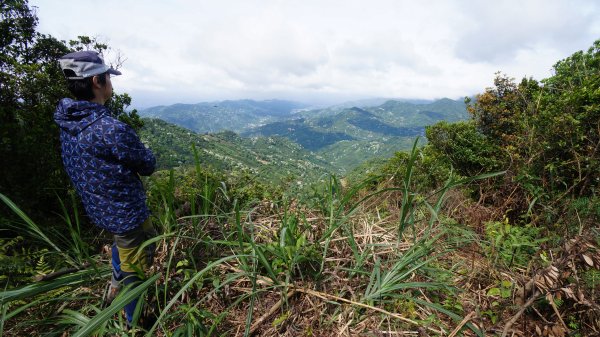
x,y
333,139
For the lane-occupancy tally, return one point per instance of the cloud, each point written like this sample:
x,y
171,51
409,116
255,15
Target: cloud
x,y
380,52
258,49
190,51
499,31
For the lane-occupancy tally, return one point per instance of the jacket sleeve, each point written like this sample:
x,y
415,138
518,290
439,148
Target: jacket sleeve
x,y
130,151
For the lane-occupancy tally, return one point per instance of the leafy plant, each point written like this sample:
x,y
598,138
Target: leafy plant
x,y
503,290
290,251
511,244
387,282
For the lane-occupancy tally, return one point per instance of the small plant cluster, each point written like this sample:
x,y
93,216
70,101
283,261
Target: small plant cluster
x,y
511,245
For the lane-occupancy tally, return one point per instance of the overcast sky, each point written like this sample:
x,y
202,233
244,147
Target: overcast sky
x,y
322,51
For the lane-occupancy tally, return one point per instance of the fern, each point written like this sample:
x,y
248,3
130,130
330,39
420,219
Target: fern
x,y
42,267
592,278
18,263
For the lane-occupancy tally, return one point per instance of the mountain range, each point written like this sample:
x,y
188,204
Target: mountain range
x,y
342,136
236,116
273,159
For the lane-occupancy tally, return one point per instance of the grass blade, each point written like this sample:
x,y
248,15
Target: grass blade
x,y
71,280
32,228
117,305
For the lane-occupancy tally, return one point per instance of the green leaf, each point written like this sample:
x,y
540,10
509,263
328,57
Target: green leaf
x,y
118,304
494,292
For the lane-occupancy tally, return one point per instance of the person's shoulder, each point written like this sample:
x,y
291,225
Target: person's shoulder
x,y
113,125
109,118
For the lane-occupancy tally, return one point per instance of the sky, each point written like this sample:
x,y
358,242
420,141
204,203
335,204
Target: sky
x,y
323,51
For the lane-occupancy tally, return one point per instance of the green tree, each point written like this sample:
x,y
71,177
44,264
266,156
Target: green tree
x,y
469,151
31,83
568,125
545,134
497,111
118,104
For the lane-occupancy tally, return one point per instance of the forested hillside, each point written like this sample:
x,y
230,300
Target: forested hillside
x,y
489,228
346,137
343,136
236,116
270,159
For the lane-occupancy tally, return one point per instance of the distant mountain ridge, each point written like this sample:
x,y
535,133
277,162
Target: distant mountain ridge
x,y
224,115
348,136
343,136
268,158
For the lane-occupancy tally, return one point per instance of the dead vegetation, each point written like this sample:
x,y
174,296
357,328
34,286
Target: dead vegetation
x,y
547,297
346,268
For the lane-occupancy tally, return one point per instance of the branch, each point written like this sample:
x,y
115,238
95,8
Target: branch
x,y
512,321
271,311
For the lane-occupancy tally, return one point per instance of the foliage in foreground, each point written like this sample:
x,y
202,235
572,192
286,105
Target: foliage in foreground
x,y
31,83
354,260
379,255
417,249
224,271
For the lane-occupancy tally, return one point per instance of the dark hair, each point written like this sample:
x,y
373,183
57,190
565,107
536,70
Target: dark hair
x,y
82,89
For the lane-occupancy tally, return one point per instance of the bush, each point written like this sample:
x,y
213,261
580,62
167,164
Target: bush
x,y
469,151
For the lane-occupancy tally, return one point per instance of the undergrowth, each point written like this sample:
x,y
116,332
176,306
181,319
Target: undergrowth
x,y
368,259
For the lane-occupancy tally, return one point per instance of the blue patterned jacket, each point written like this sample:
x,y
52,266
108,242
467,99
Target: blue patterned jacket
x,y
103,157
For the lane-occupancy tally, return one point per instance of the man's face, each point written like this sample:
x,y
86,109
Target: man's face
x,y
108,87
102,92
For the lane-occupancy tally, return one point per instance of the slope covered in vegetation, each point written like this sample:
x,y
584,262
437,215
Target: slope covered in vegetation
x,y
491,228
235,116
269,159
347,136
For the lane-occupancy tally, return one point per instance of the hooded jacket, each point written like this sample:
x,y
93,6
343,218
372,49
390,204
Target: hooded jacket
x,y
103,157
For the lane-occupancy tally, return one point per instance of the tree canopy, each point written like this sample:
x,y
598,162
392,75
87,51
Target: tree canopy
x,y
31,83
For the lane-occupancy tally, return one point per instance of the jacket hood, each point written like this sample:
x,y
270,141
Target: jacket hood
x,y
74,116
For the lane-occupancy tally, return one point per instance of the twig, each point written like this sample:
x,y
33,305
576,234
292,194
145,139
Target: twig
x,y
540,315
426,299
329,297
271,311
558,313
512,321
462,323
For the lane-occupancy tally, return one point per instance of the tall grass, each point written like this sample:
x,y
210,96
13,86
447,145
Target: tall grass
x,y
38,293
286,253
31,228
77,247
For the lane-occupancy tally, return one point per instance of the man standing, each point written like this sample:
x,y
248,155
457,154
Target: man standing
x,y
103,157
